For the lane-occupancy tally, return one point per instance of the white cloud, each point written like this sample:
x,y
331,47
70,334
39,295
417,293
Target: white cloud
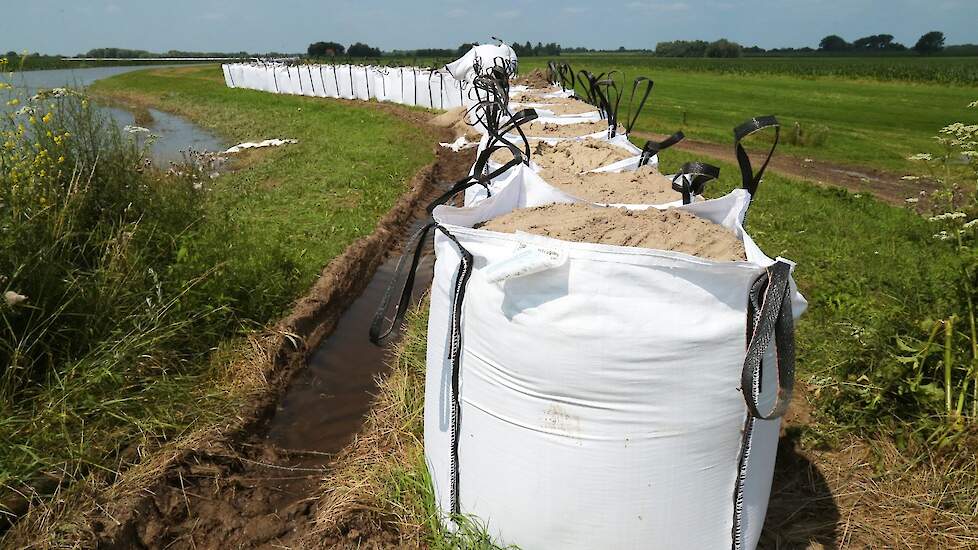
x,y
508,14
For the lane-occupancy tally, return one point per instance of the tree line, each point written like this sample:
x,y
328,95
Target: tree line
x,y
928,44
331,49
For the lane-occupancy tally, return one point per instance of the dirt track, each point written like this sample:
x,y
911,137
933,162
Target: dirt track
x,y
886,186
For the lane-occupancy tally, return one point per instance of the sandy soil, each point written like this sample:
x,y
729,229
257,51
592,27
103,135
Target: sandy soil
x,y
643,186
673,230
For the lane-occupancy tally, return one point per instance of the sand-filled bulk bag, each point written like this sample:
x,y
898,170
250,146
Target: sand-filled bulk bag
x,y
630,158
586,396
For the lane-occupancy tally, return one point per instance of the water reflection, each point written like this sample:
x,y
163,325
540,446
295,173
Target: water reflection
x,y
175,134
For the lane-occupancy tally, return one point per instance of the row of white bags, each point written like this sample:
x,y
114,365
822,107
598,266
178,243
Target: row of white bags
x,y
592,396
435,89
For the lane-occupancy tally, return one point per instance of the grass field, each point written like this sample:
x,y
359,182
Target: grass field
x,y
867,122
245,249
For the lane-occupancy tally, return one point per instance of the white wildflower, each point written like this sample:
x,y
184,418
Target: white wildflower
x,y
970,224
910,178
942,236
912,200
947,216
13,299
135,129
973,104
921,156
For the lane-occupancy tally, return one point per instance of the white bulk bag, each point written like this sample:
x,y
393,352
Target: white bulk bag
x,y
228,79
344,81
361,90
480,58
598,399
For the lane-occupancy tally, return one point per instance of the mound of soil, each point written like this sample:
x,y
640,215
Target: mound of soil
x,y
569,157
537,78
537,96
565,109
454,120
551,130
643,186
674,230
573,157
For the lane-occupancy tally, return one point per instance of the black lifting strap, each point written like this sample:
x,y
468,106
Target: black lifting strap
x,y
478,177
770,319
406,269
653,148
751,179
692,178
645,96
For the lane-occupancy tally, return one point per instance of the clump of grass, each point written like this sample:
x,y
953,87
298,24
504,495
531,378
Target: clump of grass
x,y
383,471
97,350
814,135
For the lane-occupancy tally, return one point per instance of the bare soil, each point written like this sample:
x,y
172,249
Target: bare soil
x,y
536,78
643,186
570,157
674,230
552,130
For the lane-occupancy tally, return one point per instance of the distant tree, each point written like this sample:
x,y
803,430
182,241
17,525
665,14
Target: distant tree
x,y
681,48
464,48
362,50
621,48
323,49
877,43
930,43
723,48
834,43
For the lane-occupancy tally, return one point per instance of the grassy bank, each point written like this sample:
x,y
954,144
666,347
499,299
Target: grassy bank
x,y
880,481
850,120
156,278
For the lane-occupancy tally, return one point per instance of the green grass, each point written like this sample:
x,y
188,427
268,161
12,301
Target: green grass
x,y
222,266
870,123
960,71
869,271
302,204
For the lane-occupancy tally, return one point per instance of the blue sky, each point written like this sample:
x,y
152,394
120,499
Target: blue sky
x,y
63,26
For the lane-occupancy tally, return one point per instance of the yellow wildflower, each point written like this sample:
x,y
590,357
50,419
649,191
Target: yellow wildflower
x,y
13,102
46,118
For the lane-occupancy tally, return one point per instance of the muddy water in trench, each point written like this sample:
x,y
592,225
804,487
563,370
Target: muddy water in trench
x,y
326,402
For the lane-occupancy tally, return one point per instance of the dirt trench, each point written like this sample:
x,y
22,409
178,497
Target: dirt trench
x,y
256,488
